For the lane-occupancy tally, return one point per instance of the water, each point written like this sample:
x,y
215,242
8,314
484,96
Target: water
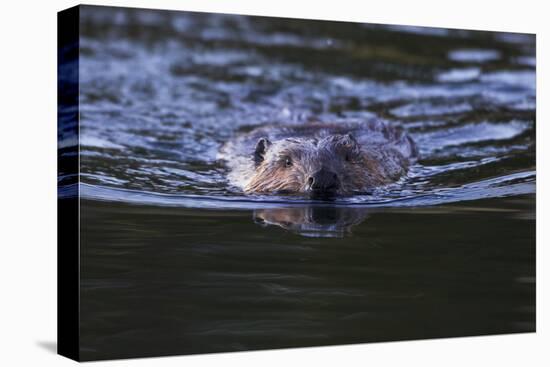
x,y
175,260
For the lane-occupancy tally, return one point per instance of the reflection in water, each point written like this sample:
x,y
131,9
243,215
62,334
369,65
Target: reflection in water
x,y
313,221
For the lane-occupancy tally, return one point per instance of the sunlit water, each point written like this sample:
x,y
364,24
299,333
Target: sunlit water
x,y
160,92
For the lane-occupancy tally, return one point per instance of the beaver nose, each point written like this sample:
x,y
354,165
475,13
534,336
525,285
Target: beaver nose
x,y
323,180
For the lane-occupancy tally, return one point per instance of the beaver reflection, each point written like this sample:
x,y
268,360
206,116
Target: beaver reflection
x,y
313,221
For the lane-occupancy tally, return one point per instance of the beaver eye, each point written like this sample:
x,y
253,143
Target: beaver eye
x,y
351,157
288,162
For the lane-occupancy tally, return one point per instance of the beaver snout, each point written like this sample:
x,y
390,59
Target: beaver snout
x,y
323,182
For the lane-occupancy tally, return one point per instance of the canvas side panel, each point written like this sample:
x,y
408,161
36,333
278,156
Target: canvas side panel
x,y
68,179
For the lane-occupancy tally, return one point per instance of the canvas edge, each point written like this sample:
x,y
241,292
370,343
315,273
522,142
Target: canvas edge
x,y
68,241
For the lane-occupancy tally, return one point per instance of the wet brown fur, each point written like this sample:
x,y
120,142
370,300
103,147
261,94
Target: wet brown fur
x,y
362,155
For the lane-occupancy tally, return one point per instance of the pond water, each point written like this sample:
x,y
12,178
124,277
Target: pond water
x,y
176,260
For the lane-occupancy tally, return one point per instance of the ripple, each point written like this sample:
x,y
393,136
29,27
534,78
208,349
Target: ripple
x,y
472,133
430,109
87,140
517,78
490,188
474,55
459,75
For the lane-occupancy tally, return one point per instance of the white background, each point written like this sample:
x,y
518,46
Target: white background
x,y
28,183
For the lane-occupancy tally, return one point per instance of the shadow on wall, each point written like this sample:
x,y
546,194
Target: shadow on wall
x,y
50,346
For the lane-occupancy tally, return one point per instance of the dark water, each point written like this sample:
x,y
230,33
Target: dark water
x,y
175,260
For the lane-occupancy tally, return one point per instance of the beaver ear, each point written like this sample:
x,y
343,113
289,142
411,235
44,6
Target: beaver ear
x,y
261,148
351,137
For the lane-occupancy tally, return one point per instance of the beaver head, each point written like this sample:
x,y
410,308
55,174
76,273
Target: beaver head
x,y
330,166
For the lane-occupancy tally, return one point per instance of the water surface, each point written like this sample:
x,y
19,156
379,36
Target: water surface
x,y
176,260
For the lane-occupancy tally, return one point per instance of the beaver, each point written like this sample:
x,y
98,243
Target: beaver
x,y
319,159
